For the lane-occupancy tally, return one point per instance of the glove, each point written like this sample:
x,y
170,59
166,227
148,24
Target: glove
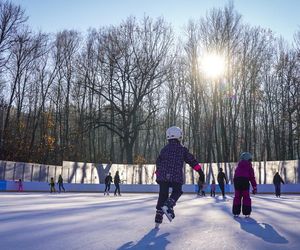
x,y
197,167
254,191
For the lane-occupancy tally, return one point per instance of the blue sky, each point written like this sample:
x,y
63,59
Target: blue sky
x,y
281,16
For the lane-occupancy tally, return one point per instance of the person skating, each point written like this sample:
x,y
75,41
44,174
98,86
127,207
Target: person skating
x,y
108,180
169,173
52,185
20,185
277,180
60,183
201,182
213,189
117,183
221,180
244,174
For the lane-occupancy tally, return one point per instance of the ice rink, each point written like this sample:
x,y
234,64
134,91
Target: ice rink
x,y
92,221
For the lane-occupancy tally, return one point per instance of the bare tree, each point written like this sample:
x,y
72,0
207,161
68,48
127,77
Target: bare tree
x,y
136,60
25,51
12,18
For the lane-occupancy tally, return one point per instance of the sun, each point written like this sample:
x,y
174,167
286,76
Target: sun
x,y
213,65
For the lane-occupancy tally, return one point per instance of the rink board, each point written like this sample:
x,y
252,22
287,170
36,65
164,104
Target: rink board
x,y
133,188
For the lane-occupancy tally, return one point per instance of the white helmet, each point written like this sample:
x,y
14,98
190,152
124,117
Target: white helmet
x,y
246,156
174,133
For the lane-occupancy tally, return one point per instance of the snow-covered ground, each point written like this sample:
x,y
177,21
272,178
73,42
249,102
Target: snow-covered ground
x,y
91,221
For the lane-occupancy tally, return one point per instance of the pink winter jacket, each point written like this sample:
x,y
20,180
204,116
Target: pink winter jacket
x,y
244,169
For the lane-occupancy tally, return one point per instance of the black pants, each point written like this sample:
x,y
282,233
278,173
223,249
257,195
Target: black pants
x,y
117,188
222,187
277,189
52,188
61,186
201,190
107,187
164,192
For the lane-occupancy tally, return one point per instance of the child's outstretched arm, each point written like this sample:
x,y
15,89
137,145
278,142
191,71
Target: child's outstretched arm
x,y
190,159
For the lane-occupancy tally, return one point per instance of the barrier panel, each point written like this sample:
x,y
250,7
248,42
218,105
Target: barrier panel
x,y
2,185
134,188
95,173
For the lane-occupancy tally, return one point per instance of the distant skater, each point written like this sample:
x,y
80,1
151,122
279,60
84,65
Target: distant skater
x,y
201,185
108,180
277,180
169,173
52,185
244,174
60,183
221,180
117,183
20,185
213,189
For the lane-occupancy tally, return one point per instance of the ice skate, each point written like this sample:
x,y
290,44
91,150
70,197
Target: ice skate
x,y
236,215
247,216
168,209
157,225
169,212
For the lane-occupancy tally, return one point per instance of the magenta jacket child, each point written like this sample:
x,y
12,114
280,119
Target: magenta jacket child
x,y
213,189
244,174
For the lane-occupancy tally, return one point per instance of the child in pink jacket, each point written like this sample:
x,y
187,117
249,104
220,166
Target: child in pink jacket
x,y
244,174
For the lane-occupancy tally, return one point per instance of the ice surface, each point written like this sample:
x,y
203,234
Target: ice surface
x,y
92,221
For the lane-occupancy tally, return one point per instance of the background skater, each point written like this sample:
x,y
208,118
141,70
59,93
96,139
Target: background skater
x,y
108,181
221,180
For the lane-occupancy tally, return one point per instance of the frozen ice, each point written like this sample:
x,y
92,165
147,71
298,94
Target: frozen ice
x,y
93,221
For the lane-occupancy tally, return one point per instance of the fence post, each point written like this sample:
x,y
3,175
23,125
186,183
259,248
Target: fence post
x,y
48,174
31,177
14,172
91,174
55,173
40,173
23,172
69,175
4,170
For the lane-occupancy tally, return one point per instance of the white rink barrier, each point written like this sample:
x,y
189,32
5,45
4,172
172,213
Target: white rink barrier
x,y
95,173
12,186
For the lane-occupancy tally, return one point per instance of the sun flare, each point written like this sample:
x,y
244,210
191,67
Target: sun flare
x,y
213,65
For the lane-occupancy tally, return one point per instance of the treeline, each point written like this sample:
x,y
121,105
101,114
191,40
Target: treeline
x,y
110,94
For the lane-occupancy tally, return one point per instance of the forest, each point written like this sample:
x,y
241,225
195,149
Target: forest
x,y
109,94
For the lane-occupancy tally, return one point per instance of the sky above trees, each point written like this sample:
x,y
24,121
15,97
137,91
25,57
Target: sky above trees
x,y
281,17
